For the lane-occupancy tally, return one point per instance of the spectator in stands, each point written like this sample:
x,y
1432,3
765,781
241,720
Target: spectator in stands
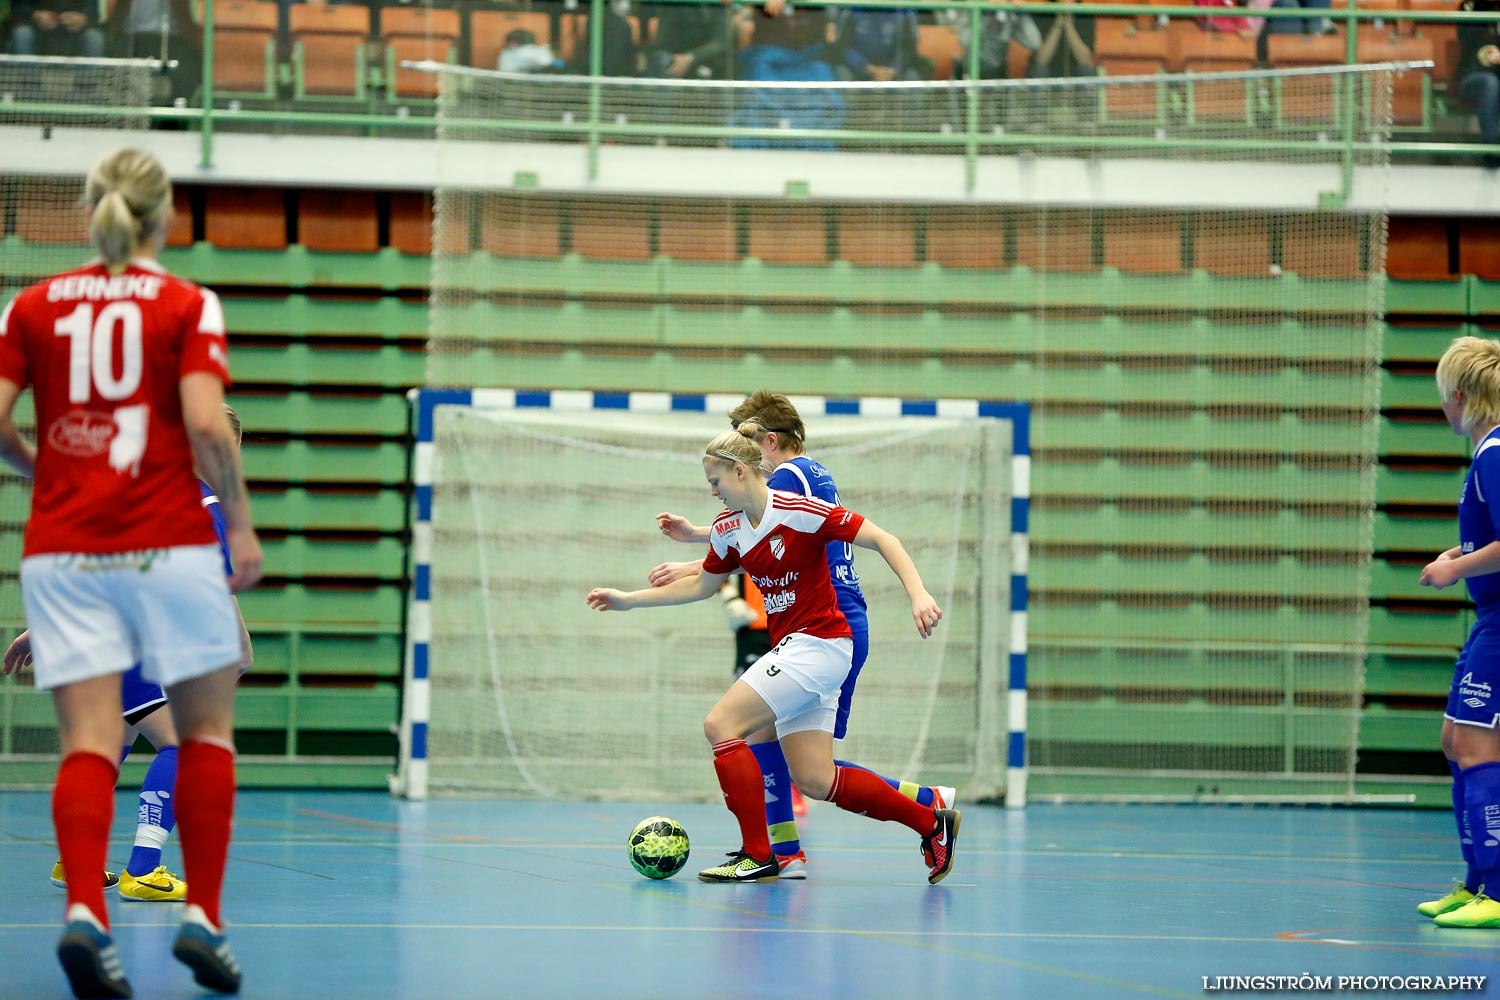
x,y
524,54
160,29
1479,72
690,41
878,45
55,28
1293,25
998,28
788,44
619,57
1067,47
1245,27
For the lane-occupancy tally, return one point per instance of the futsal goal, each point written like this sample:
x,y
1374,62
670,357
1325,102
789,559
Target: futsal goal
x,y
526,500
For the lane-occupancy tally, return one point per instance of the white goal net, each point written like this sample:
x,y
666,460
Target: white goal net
x,y
534,694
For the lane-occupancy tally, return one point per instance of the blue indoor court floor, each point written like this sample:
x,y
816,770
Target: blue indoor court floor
x,y
357,895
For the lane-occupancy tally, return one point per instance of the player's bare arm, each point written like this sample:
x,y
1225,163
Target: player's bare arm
x,y
218,458
684,591
669,572
17,452
680,529
18,655
1449,568
924,610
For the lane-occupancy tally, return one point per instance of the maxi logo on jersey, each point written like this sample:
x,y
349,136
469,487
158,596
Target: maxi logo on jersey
x,y
725,527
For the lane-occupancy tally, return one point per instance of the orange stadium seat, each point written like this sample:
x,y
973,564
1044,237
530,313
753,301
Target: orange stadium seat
x,y
1479,248
939,42
245,46
1055,240
1217,52
1417,249
1232,244
514,226
180,227
1408,97
966,238
878,237
245,218
788,234
411,223
1306,99
488,28
698,231
328,48
48,212
1324,245
338,221
612,230
417,33
1143,242
1123,48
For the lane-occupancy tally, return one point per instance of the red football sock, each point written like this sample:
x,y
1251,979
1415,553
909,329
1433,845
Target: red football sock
x,y
744,794
83,805
859,791
205,808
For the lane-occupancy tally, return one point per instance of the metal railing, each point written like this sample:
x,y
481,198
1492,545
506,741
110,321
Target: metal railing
x,y
386,113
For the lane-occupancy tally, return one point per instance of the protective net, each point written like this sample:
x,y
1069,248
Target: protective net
x,y
1183,274
533,693
43,231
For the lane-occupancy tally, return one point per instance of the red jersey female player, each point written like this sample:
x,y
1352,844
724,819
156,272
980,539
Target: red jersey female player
x,y
779,540
121,564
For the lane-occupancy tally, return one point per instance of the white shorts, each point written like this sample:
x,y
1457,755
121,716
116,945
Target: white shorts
x,y
800,679
92,615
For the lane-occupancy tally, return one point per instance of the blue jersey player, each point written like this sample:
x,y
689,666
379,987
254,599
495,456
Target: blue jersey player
x,y
1468,382
773,421
144,877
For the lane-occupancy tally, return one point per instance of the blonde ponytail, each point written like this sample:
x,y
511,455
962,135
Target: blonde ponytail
x,y
130,195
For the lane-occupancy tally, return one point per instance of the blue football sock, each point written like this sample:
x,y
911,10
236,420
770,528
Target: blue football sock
x,y
1465,839
1482,803
156,819
921,793
779,819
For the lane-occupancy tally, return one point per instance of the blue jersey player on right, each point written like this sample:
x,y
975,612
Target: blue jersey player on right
x,y
1468,383
780,436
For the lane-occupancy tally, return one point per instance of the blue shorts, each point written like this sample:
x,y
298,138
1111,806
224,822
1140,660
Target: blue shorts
x,y
1472,699
846,692
138,696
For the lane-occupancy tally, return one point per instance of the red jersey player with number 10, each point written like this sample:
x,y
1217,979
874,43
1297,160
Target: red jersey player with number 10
x,y
121,564
779,539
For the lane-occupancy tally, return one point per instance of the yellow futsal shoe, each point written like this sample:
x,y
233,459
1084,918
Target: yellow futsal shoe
x,y
1481,911
159,886
60,877
1458,897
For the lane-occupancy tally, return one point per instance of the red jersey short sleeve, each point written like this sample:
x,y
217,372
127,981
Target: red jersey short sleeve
x,y
722,557
104,355
12,357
